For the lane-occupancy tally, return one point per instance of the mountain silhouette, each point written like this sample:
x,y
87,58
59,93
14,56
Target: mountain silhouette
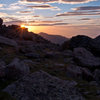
x,y
57,39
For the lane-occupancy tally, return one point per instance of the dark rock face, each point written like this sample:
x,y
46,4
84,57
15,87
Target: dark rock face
x,y
86,58
97,75
80,41
77,41
42,86
95,46
7,41
2,69
2,72
1,22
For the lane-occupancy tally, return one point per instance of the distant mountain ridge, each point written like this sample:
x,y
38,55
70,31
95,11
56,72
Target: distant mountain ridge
x,y
57,39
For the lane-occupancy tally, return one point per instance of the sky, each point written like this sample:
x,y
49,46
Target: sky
x,y
62,17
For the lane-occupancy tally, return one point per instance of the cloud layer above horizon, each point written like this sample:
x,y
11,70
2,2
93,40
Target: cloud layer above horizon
x,y
50,12
59,1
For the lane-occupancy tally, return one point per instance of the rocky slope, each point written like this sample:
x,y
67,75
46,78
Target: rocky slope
x,y
32,68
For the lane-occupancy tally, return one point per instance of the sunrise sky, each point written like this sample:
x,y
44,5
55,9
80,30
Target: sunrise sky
x,y
62,17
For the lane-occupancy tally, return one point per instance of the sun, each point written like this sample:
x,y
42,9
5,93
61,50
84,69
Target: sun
x,y
22,26
30,28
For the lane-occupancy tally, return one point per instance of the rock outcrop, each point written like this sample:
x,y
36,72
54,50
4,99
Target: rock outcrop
x,y
95,46
1,22
77,41
80,41
7,41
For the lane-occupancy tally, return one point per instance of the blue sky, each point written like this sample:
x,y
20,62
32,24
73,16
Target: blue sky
x,y
40,11
51,12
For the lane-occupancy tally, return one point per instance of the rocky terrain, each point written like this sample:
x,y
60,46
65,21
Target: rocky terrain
x,y
33,68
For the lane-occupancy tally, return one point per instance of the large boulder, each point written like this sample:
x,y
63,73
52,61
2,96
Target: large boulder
x,y
7,41
42,86
77,41
86,58
80,41
17,69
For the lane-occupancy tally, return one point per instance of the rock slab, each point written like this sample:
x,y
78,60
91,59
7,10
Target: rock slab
x,y
42,86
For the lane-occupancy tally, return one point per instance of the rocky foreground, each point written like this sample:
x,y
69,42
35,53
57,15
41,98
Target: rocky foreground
x,y
32,68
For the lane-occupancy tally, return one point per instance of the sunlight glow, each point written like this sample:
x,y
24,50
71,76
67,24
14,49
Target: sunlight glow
x,y
28,27
23,26
31,28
